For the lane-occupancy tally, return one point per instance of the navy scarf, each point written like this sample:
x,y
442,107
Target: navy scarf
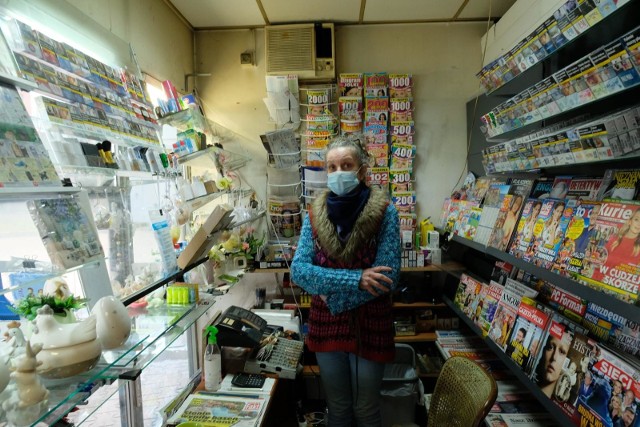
x,y
344,210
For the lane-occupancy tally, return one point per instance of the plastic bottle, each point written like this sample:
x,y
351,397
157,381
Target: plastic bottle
x,y
212,362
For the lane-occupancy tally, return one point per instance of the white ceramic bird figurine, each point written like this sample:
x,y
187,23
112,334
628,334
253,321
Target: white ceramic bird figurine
x,y
53,334
15,339
67,348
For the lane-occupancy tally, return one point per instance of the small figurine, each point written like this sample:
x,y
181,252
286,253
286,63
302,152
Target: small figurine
x,y
29,397
15,339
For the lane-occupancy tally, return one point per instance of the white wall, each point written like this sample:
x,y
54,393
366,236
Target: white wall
x,y
516,24
443,59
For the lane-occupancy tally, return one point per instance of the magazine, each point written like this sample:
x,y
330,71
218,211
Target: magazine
x,y
621,184
565,303
379,177
471,226
601,322
402,156
519,420
467,295
584,188
220,411
285,216
501,272
400,85
401,109
493,201
508,215
612,259
523,234
375,85
402,132
488,305
562,363
351,84
609,327
545,227
379,153
350,108
405,202
609,391
574,246
526,334
553,233
400,180
507,310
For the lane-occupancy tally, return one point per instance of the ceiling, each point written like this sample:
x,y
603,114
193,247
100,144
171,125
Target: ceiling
x,y
228,14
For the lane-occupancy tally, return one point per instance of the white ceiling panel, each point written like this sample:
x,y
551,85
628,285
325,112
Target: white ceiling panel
x,y
281,11
480,8
410,10
216,13
246,13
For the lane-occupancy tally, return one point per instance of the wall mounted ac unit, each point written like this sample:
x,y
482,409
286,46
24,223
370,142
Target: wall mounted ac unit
x,y
307,50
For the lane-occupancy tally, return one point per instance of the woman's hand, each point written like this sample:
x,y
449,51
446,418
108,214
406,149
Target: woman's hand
x,y
373,281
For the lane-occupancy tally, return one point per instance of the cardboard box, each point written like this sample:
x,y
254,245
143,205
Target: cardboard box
x,y
210,186
204,238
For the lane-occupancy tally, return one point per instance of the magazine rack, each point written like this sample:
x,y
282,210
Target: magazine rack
x,y
480,258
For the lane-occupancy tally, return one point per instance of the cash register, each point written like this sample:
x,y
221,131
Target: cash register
x,y
239,327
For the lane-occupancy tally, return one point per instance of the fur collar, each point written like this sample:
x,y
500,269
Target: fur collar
x,y
366,226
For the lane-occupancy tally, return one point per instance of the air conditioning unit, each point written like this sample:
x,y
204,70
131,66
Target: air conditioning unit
x,y
307,50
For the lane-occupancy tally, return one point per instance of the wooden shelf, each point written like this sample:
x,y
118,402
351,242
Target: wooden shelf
x,y
446,266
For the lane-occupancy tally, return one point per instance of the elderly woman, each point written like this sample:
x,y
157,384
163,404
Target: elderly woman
x,y
348,258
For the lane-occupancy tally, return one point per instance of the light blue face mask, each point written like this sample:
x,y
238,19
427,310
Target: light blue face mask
x,y
342,182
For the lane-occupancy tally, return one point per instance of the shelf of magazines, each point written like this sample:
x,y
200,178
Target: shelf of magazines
x,y
615,137
610,69
552,408
610,302
560,32
532,118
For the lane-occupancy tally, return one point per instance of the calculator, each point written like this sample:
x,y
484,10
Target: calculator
x,y
243,379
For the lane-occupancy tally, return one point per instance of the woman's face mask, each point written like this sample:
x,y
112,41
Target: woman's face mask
x,y
342,182
342,167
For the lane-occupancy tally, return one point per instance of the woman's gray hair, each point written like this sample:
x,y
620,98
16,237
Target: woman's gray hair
x,y
355,142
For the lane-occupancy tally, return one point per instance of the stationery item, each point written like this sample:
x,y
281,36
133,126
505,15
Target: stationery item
x,y
68,234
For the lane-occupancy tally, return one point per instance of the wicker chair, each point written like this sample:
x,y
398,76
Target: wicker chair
x,y
463,395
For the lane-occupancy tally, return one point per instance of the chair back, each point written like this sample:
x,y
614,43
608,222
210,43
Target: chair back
x,y
463,395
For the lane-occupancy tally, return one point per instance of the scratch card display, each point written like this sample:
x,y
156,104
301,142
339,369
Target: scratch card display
x,y
23,158
69,236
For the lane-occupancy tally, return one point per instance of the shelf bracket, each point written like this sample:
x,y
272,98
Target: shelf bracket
x,y
130,393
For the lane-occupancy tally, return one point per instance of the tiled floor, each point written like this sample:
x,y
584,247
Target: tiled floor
x,y
162,380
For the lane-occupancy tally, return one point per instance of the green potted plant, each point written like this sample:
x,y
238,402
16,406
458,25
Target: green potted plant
x,y
62,307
